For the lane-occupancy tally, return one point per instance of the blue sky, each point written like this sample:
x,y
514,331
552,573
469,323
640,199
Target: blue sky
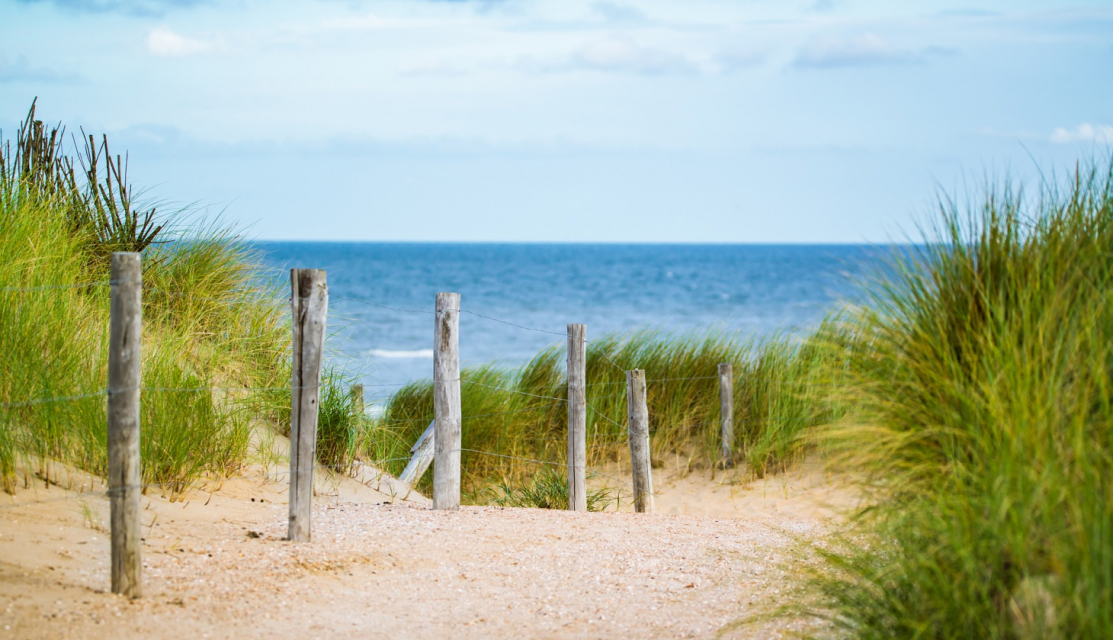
x,y
568,120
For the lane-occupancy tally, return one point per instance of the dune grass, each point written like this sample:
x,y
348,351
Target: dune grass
x,y
983,391
548,489
520,415
207,322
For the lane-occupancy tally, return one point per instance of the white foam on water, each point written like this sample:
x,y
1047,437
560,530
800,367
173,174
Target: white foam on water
x,y
399,354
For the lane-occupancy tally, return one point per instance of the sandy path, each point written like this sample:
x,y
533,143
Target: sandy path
x,y
221,569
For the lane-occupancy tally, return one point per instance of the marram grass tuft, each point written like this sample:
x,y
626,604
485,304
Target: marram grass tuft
x,y
983,389
212,332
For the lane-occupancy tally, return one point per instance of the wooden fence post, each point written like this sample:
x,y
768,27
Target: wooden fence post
x,y
446,403
421,455
124,378
356,394
309,303
637,415
726,415
577,417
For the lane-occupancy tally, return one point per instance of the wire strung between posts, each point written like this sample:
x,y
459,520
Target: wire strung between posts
x,y
604,416
479,415
512,391
283,388
501,455
382,306
479,315
504,413
741,380
27,403
236,296
604,384
48,287
613,395
85,396
608,359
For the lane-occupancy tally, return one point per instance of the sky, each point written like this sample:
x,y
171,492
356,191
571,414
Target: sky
x,y
760,121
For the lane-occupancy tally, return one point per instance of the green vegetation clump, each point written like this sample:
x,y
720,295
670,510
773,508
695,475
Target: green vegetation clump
x,y
549,490
207,322
983,388
781,388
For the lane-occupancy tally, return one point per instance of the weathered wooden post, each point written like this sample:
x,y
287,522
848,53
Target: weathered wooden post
x,y
446,403
421,455
726,415
356,394
309,303
125,341
637,416
577,417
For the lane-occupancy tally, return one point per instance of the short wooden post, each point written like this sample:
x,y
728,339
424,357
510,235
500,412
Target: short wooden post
x,y
577,417
726,415
356,394
637,415
446,403
421,456
125,343
309,304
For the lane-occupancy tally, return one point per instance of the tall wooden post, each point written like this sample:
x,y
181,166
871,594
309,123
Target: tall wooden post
x,y
309,303
577,417
125,343
446,403
637,415
726,415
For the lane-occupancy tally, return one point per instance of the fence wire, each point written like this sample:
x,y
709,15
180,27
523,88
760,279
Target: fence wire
x,y
50,287
238,297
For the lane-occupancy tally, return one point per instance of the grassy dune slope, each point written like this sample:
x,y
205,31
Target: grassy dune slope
x,y
984,395
206,323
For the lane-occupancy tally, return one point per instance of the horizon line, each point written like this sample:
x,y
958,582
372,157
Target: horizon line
x,y
594,242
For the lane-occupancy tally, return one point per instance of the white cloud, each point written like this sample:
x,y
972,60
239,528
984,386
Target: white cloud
x,y
1086,132
442,68
624,55
612,55
161,41
868,49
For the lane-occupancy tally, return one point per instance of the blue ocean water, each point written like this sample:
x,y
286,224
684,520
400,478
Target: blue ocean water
x,y
381,295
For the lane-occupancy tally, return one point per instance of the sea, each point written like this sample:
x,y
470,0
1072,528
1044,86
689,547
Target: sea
x,y
516,299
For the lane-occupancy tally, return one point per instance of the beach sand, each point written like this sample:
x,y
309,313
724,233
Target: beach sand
x,y
718,560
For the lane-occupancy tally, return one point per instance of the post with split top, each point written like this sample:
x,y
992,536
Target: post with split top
x,y
309,304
